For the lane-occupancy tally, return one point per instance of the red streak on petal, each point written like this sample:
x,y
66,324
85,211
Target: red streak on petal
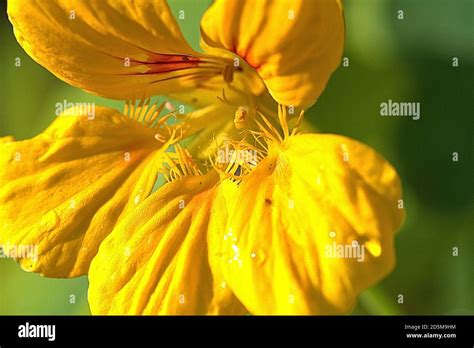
x,y
163,63
245,56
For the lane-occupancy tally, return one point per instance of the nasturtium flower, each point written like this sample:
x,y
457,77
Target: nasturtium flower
x,y
244,232
257,227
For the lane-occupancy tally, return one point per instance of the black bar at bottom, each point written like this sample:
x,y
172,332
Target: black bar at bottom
x,y
429,331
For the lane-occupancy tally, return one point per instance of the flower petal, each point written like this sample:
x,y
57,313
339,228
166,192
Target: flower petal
x,y
65,189
294,45
293,213
122,49
156,260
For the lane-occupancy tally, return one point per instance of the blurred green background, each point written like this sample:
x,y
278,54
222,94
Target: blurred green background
x,y
389,58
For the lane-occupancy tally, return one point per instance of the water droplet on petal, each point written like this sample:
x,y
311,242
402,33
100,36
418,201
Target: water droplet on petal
x,y
137,199
236,255
258,256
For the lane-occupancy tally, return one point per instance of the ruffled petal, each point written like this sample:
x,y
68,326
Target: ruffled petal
x,y
311,226
122,49
157,260
294,45
64,190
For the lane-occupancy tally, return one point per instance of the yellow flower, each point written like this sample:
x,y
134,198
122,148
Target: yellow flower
x,y
255,237
257,230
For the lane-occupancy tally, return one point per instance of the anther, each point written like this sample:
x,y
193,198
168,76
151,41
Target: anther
x,y
228,73
160,138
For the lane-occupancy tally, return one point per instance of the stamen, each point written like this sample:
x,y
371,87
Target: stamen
x,y
146,112
236,160
298,123
282,117
160,138
224,98
236,168
126,108
267,130
154,114
178,164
